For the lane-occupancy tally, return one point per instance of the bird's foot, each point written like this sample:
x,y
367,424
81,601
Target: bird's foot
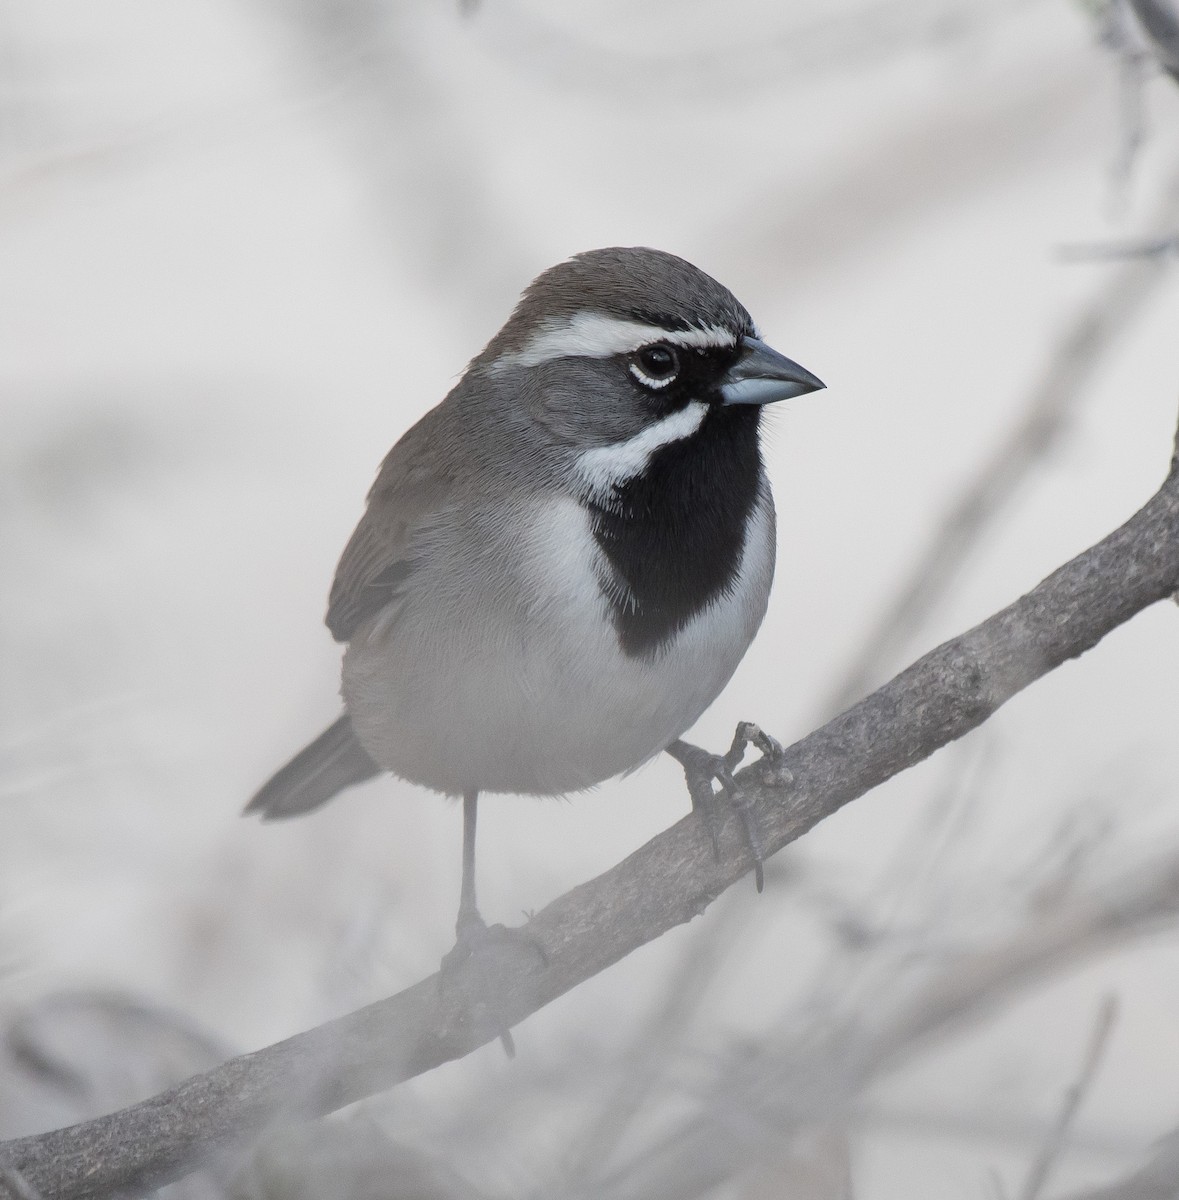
x,y
484,946
703,769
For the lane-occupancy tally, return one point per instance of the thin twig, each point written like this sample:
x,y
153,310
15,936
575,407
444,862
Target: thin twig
x,y
1042,420
1146,247
1054,1143
649,1054
1157,1180
1160,20
809,1079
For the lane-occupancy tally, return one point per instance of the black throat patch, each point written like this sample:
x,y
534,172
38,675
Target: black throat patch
x,y
674,535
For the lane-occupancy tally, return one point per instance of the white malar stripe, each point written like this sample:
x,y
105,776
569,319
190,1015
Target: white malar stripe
x,y
594,335
605,467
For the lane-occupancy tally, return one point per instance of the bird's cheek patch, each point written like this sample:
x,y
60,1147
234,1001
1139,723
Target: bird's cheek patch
x,y
603,468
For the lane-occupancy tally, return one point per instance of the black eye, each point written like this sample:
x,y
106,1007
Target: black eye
x,y
655,366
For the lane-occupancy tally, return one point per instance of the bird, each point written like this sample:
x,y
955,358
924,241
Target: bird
x,y
561,565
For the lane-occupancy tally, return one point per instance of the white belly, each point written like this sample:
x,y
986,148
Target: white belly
x,y
528,690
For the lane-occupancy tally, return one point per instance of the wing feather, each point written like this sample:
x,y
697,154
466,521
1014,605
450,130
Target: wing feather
x,y
415,479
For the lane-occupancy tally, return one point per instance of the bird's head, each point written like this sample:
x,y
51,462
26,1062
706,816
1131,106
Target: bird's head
x,y
628,346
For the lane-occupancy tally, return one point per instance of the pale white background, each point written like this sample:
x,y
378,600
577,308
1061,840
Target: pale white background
x,y
243,246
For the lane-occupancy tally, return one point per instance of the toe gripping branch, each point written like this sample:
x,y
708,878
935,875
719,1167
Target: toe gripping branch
x,y
703,769
490,950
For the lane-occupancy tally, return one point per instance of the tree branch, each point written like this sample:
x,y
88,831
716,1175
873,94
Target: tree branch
x,y
1043,420
1157,1180
665,883
1045,1160
1160,19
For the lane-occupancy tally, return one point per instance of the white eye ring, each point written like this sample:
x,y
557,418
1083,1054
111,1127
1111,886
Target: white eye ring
x,y
667,357
647,381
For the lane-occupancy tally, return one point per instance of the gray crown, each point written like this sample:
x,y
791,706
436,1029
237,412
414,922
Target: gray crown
x,y
633,283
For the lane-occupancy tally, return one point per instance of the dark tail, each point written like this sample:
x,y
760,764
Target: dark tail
x,y
334,761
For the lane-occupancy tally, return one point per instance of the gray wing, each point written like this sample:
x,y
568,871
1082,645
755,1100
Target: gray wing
x,y
415,479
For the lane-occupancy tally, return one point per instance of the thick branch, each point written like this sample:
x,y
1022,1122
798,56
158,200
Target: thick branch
x,y
665,883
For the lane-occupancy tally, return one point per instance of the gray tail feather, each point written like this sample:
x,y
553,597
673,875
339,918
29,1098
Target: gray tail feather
x,y
334,761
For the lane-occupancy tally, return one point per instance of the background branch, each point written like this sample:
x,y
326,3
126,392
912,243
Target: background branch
x,y
1042,420
1157,1180
672,878
1046,1159
820,1075
1160,19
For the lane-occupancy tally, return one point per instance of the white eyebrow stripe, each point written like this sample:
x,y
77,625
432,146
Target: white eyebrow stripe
x,y
595,335
605,467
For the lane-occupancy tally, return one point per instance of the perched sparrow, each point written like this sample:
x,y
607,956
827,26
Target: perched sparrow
x,y
563,563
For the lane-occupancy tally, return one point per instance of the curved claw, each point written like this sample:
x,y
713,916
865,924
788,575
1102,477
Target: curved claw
x,y
774,773
702,770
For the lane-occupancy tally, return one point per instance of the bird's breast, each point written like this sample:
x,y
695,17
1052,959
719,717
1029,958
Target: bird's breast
x,y
674,534
522,682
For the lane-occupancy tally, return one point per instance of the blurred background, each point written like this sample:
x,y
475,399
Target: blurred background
x,y
245,244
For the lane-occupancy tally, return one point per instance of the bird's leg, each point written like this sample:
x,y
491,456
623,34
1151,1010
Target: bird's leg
x,y
472,935
468,913
702,769
474,938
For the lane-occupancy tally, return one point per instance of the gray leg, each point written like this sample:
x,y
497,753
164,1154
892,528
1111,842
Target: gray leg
x,y
472,936
468,913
